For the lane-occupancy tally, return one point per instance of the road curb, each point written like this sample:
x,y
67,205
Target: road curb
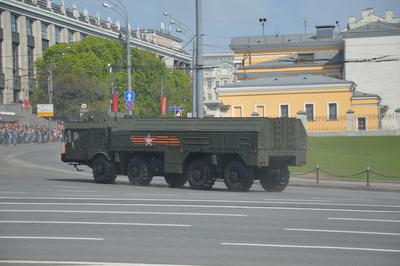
x,y
332,186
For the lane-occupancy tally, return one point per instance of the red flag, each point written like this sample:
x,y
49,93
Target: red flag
x,y
115,102
27,103
163,106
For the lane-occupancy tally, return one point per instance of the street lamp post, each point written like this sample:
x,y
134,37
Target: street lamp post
x,y
262,21
193,66
123,12
187,31
111,86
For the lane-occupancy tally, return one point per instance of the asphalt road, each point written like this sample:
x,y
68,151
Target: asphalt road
x,y
53,215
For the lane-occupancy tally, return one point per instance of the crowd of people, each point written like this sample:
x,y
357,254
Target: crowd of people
x,y
14,133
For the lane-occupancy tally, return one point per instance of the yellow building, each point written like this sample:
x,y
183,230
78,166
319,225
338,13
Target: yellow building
x,y
327,102
287,55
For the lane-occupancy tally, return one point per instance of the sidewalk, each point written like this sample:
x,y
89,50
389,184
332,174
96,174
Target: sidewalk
x,y
339,184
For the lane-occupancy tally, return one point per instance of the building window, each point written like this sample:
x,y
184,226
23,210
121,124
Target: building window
x,y
58,34
237,111
209,96
216,83
284,110
308,57
361,123
15,60
260,109
14,23
29,30
70,36
30,61
225,82
44,31
209,84
310,111
332,111
45,45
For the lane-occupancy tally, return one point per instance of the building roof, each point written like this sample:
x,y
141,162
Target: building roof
x,y
373,29
359,94
56,8
255,43
320,58
217,58
287,83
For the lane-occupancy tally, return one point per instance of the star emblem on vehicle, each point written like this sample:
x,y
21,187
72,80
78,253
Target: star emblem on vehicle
x,y
148,141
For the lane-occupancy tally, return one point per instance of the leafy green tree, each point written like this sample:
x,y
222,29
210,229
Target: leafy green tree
x,y
81,75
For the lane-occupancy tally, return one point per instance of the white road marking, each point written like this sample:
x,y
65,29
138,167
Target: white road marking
x,y
311,247
131,212
94,223
364,220
35,262
77,191
301,200
341,231
13,192
195,206
76,187
67,195
150,194
52,238
204,200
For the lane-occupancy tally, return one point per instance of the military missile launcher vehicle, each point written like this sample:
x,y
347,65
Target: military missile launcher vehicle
x,y
198,151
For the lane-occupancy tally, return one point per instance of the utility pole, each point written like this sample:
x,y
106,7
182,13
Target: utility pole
x,y
194,83
199,59
128,56
111,87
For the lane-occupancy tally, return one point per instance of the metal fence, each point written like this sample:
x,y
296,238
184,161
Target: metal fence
x,y
323,123
364,175
358,122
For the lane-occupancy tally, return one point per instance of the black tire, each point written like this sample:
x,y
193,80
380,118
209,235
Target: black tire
x,y
199,175
275,180
175,180
237,177
139,172
103,170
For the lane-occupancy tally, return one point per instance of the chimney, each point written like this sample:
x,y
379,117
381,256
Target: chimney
x,y
389,16
365,13
325,31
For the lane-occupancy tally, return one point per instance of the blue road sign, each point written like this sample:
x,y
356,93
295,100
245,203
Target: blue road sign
x,y
129,96
175,108
129,105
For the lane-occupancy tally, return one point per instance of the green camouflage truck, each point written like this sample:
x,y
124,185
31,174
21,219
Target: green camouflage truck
x,y
197,151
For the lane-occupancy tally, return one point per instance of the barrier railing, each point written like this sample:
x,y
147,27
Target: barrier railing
x,y
367,172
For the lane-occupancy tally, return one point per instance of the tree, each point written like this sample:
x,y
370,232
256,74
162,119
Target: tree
x,y
81,75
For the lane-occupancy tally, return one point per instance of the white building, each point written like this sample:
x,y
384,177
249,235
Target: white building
x,y
219,71
28,27
372,55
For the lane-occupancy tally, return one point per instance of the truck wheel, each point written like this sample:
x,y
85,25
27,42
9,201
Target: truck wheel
x,y
175,180
275,180
139,172
103,170
237,177
199,175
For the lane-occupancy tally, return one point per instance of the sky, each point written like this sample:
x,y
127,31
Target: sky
x,y
224,19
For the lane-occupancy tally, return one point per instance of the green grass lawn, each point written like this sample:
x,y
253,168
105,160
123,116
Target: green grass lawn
x,y
348,155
